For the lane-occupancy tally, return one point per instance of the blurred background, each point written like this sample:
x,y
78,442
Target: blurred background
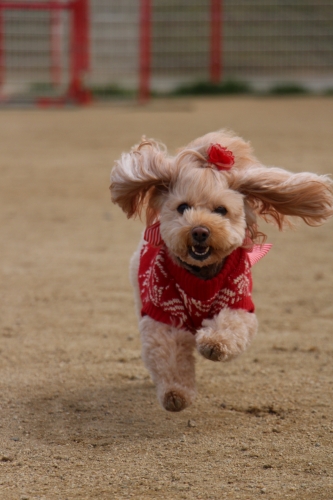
x,y
79,415
78,49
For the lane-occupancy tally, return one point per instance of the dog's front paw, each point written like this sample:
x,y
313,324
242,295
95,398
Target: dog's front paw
x,y
213,351
227,335
211,347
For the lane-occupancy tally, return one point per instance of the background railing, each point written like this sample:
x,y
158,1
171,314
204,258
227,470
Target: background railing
x,y
143,46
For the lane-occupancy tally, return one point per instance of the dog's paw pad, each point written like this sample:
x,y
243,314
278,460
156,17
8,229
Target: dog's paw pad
x,y
173,401
213,352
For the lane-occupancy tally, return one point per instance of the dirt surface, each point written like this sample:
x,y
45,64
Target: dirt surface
x,y
79,416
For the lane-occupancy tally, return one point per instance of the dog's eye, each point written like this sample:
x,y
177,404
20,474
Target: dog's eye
x,y
221,210
184,206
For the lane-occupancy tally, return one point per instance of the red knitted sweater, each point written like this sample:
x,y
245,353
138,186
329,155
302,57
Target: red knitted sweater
x,y
172,295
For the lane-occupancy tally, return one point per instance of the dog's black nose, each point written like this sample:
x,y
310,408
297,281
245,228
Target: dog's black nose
x,y
200,234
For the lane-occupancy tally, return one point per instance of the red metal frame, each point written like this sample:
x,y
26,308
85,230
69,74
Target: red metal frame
x,y
216,41
79,46
80,51
145,50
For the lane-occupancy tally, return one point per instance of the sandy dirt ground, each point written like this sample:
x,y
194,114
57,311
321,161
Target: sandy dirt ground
x,y
79,416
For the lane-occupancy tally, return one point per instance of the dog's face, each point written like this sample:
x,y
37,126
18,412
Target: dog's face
x,y
202,220
205,211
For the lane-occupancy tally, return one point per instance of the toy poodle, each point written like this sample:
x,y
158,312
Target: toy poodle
x,y
192,270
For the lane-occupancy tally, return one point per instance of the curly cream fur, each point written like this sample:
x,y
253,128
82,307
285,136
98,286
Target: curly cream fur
x,y
149,180
168,354
227,335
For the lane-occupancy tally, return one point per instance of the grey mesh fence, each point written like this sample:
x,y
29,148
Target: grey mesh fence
x,y
263,42
28,65
279,41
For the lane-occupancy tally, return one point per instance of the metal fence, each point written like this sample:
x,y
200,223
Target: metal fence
x,y
269,41
169,43
44,49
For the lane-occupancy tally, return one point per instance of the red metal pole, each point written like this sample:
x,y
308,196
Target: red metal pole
x,y
145,50
79,52
215,41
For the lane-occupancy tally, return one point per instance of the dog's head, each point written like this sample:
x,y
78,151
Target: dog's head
x,y
209,195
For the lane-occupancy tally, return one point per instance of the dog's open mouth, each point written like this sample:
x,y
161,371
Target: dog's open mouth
x,y
199,252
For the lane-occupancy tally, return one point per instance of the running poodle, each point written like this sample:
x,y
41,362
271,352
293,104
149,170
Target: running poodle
x,y
192,271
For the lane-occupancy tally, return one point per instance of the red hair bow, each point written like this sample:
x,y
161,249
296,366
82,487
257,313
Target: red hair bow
x,y
221,157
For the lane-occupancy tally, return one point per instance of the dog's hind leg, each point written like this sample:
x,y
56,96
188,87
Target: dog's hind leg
x,y
168,355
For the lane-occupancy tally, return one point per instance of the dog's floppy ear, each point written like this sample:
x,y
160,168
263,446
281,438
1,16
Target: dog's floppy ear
x,y
140,177
274,194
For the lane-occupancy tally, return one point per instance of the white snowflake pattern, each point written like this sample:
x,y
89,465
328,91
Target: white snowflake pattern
x,y
182,306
